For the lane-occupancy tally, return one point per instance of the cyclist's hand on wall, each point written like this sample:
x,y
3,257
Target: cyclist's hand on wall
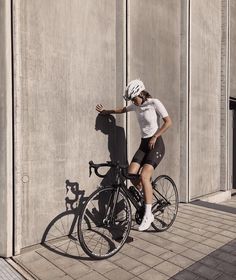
x,y
152,142
100,109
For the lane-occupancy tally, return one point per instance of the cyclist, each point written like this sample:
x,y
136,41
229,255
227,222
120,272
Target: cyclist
x,y
151,149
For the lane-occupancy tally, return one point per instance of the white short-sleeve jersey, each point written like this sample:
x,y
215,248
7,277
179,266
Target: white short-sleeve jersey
x,y
148,115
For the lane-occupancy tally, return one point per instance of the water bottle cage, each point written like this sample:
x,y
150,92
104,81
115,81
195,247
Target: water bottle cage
x,y
136,194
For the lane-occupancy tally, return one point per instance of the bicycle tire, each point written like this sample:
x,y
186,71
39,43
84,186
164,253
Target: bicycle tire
x,y
165,202
98,239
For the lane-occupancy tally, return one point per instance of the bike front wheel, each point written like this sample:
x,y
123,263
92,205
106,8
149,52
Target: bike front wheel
x,y
165,202
105,223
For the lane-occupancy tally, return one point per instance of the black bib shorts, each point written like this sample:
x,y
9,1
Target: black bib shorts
x,y
146,156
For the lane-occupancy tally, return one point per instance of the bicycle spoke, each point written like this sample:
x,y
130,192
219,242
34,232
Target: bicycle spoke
x,y
165,202
105,223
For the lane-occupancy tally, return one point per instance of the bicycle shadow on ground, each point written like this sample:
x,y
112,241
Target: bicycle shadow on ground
x,y
61,234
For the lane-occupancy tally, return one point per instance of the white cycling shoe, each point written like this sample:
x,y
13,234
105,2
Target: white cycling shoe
x,y
146,222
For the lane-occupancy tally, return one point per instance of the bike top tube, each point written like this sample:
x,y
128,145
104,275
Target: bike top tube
x,y
122,169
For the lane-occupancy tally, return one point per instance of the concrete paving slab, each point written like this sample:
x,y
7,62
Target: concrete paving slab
x,y
92,275
128,263
134,252
168,268
101,267
118,274
186,275
212,243
139,269
192,254
150,260
77,270
181,261
153,274
205,251
204,271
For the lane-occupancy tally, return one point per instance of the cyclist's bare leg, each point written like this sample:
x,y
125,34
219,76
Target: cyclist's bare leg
x,y
148,217
146,175
134,168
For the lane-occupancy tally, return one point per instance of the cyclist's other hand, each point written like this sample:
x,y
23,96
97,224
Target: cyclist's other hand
x,y
100,109
152,142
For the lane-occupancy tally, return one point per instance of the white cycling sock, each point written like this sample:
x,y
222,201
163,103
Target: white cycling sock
x,y
148,210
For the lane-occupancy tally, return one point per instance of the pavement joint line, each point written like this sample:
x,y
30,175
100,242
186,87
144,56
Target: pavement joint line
x,y
193,216
193,213
167,274
26,269
162,248
209,211
143,263
23,272
208,266
50,261
119,266
186,223
147,253
84,262
185,237
179,235
190,232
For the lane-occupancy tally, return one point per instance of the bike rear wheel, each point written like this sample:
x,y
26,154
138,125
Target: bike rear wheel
x,y
165,202
105,223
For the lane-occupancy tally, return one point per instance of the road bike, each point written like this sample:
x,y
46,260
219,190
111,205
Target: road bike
x,y
106,218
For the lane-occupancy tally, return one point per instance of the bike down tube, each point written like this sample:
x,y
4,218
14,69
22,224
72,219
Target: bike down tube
x,y
115,196
131,198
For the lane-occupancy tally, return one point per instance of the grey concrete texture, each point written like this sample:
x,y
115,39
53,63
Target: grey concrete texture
x,y
205,97
65,60
154,56
200,245
232,26
5,131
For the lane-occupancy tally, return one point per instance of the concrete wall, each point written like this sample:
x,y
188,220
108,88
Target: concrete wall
x,y
68,57
155,56
6,194
205,96
232,7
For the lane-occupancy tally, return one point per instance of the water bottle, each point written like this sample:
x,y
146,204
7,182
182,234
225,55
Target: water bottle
x,y
136,194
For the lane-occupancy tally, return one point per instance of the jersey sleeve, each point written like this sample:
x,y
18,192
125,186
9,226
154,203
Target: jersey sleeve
x,y
130,108
160,108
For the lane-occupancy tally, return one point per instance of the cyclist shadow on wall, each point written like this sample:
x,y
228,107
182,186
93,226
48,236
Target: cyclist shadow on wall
x,y
61,234
117,149
116,142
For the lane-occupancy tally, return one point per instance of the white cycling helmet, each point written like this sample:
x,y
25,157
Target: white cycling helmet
x,y
133,89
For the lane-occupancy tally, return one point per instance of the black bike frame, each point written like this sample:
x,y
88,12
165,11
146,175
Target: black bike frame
x,y
128,194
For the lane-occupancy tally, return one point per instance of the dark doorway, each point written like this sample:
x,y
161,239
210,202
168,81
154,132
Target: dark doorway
x,y
232,106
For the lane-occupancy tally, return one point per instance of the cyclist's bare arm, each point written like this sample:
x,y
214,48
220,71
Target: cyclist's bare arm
x,y
101,110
